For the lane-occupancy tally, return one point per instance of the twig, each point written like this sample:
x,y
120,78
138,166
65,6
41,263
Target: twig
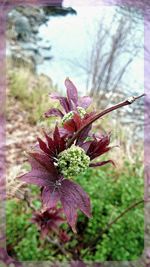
x,y
26,198
129,101
122,214
55,242
93,243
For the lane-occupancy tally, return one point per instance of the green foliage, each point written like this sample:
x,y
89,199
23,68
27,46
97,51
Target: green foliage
x,y
111,192
24,235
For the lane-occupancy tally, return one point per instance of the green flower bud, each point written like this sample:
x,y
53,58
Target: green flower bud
x,y
81,111
70,114
67,117
73,161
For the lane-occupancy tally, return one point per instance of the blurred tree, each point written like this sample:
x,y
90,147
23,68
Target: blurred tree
x,y
108,64
112,53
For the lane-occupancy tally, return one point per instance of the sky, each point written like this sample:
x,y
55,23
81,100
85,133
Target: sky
x,y
71,37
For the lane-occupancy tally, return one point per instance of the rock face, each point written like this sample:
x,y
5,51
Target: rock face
x,y
24,46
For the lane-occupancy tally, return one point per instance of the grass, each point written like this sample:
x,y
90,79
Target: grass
x,y
31,92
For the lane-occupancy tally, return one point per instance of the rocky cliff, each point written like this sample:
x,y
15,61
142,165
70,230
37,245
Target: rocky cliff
x,y
24,46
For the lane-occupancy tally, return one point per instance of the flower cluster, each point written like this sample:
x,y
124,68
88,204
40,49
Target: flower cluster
x,y
81,111
56,160
73,161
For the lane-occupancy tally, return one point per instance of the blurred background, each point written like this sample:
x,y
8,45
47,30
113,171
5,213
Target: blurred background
x,y
101,49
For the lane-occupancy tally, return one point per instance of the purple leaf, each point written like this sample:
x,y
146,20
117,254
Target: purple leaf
x,y
77,119
85,102
54,112
72,92
99,147
56,135
86,145
43,146
51,143
59,141
64,133
54,96
72,198
50,197
63,101
39,175
48,221
35,177
70,126
45,162
84,134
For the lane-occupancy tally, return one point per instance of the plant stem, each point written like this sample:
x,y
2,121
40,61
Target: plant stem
x,y
27,200
129,101
55,242
122,214
132,206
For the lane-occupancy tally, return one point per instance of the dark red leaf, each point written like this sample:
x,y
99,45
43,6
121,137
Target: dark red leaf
x,y
73,198
54,112
83,135
63,101
43,146
85,102
86,145
72,92
40,175
45,162
99,147
59,141
70,126
35,177
77,120
64,133
56,135
63,236
51,144
48,221
50,197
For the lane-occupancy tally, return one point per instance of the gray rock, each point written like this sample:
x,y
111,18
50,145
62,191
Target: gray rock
x,y
23,28
25,44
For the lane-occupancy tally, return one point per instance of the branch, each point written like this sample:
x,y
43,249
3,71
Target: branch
x,y
56,243
132,206
26,198
129,101
122,214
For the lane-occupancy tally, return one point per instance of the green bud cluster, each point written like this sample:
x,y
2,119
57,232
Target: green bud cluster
x,y
81,111
70,114
67,117
73,161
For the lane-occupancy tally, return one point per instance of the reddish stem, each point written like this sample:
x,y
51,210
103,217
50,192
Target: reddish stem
x,y
109,225
129,101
